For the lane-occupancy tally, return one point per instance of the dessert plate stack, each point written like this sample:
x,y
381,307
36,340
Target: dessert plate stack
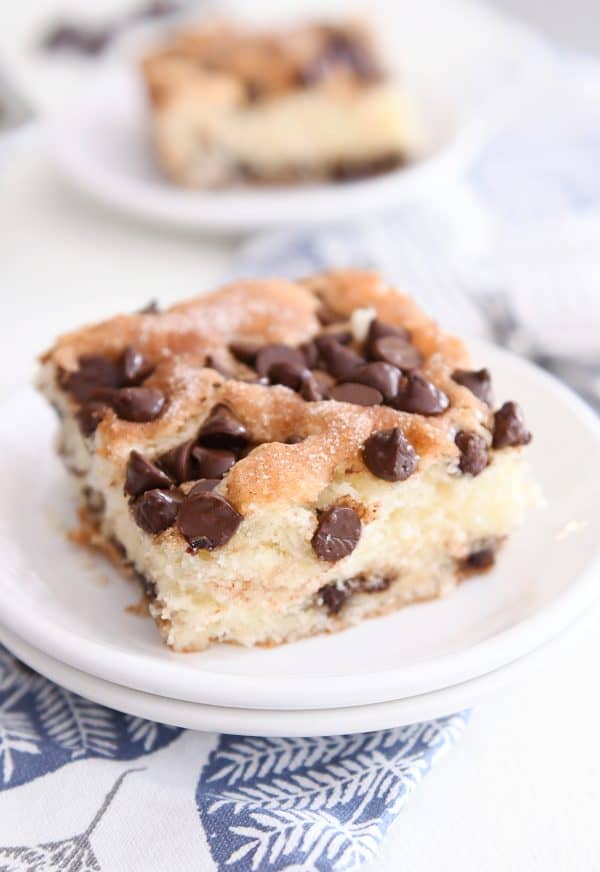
x,y
70,616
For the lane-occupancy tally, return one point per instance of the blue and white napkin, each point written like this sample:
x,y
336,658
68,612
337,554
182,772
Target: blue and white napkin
x,y
512,253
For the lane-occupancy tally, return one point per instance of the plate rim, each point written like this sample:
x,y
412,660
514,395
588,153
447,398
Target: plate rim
x,y
308,691
284,722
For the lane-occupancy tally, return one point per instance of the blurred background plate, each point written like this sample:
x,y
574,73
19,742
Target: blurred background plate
x,y
101,145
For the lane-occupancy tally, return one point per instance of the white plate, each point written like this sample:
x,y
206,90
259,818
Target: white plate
x,y
269,722
52,595
102,146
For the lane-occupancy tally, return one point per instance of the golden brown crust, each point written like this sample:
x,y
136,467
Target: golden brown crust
x,y
275,310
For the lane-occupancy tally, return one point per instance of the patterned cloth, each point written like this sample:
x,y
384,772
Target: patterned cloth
x,y
261,804
510,252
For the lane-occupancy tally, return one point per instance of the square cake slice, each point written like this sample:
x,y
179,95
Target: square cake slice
x,y
231,105
279,459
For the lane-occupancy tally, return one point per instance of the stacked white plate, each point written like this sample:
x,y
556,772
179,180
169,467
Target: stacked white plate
x,y
65,612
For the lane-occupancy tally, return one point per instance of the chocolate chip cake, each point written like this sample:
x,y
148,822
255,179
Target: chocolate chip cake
x,y
279,459
231,105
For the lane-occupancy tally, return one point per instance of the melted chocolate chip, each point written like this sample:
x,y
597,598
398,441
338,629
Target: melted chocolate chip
x,y
397,352
473,452
478,560
94,372
223,429
340,361
135,366
133,404
205,484
509,427
373,583
389,455
156,510
178,461
334,597
207,520
245,351
89,416
289,374
479,382
212,462
142,475
337,533
421,397
353,392
382,376
271,354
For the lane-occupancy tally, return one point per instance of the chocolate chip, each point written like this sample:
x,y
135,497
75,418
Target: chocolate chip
x,y
396,351
294,439
135,366
74,37
344,337
473,452
311,390
143,475
419,396
482,559
223,429
383,376
334,596
212,462
94,372
373,583
151,308
343,50
289,374
311,353
337,533
178,461
133,404
389,455
89,416
205,484
156,510
271,354
360,395
510,427
207,520
245,351
479,382
340,361
378,329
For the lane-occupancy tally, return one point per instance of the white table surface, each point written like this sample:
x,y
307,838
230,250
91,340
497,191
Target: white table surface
x,y
522,791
